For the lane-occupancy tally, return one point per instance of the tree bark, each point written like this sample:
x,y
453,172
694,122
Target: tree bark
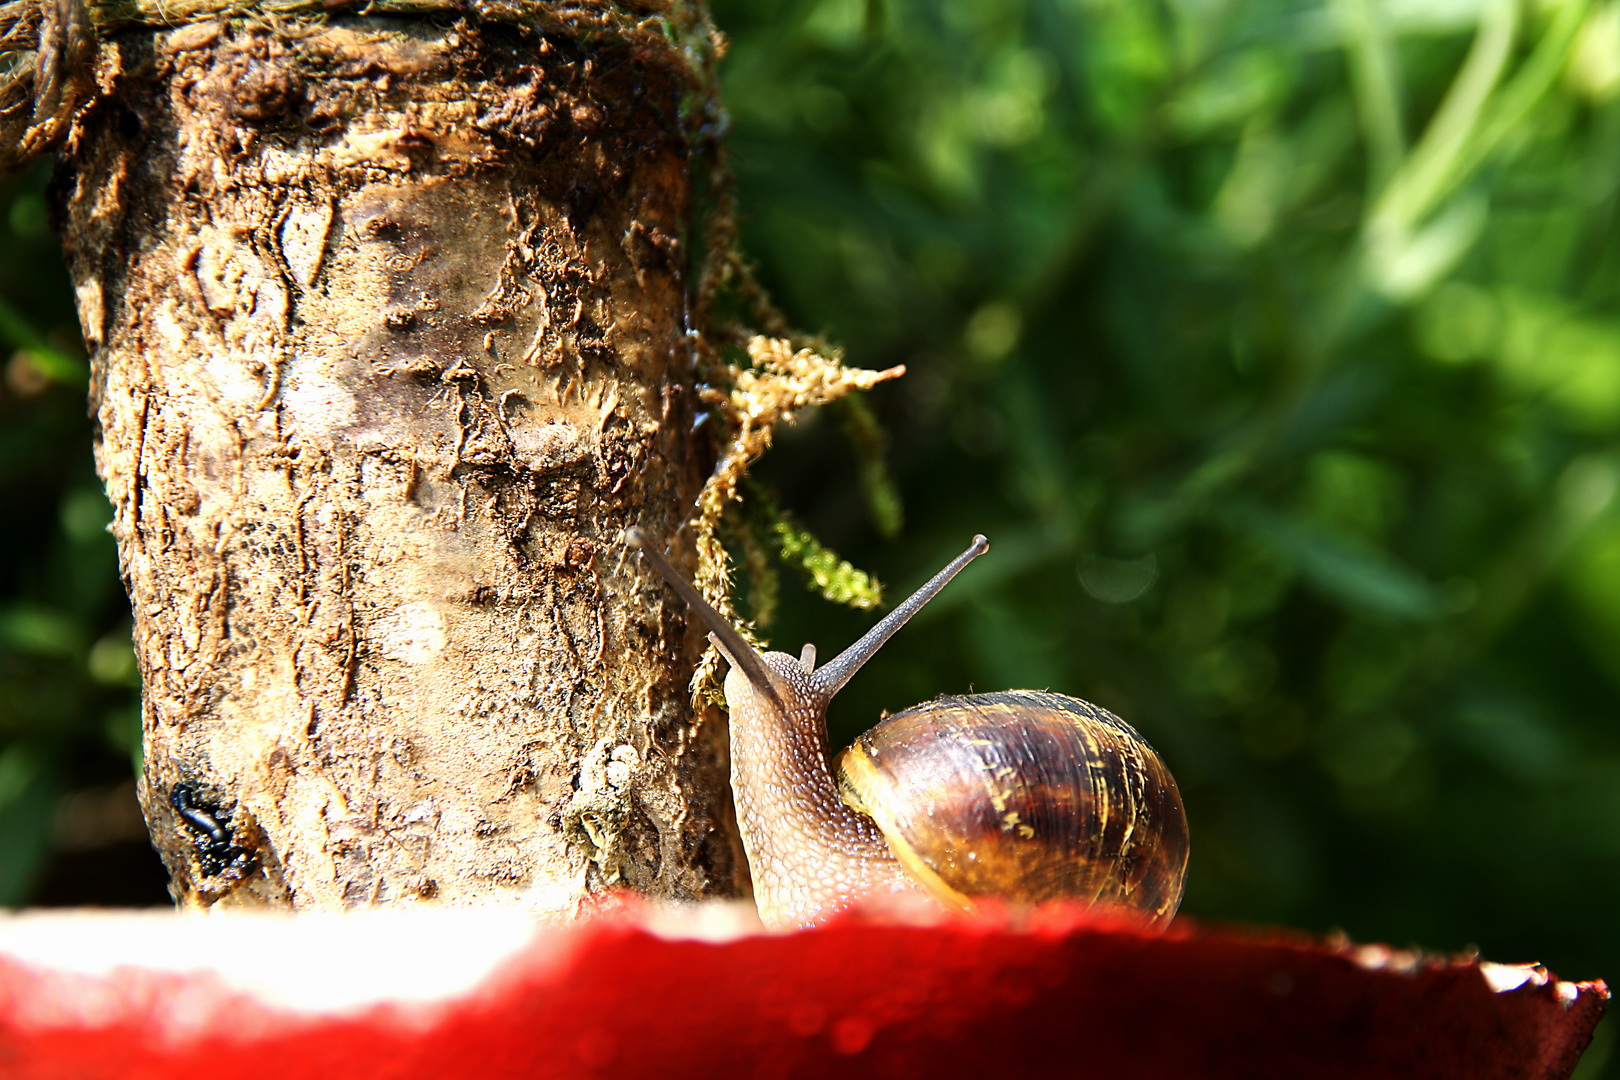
x,y
387,320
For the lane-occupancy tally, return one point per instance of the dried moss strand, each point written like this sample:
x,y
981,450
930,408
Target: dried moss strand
x,y
781,382
882,496
764,586
50,47
724,266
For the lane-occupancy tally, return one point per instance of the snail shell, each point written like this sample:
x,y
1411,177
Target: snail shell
x,y
1024,795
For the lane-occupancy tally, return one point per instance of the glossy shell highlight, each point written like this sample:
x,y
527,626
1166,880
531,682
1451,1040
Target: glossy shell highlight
x,y
1023,795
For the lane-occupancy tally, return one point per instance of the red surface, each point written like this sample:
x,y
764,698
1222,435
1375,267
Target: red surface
x,y
849,1001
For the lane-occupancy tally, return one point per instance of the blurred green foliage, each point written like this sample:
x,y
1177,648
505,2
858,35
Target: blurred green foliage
x,y
68,688
1276,347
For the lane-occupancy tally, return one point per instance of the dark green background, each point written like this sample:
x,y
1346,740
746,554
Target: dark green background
x,y
1275,346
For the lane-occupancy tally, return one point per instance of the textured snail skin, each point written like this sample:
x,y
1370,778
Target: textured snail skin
x,y
811,856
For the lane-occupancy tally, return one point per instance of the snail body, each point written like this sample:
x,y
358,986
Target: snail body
x,y
1022,795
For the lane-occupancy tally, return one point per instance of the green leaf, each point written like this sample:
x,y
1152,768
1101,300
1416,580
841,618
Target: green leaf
x,y
1357,576
882,497
39,631
28,794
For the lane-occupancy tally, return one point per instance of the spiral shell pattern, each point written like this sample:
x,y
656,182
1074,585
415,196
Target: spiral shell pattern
x,y
1025,795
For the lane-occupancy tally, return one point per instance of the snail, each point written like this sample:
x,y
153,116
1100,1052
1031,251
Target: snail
x,y
1022,795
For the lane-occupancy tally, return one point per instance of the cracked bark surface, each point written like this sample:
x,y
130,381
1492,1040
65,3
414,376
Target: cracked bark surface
x,y
387,320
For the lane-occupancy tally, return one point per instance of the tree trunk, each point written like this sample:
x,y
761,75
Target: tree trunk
x,y
389,343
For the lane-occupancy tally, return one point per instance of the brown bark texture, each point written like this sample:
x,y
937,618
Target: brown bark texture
x,y
389,341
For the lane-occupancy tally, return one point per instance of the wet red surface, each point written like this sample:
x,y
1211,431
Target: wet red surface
x,y
853,1000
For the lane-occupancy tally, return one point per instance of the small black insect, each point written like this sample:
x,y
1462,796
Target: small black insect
x,y
212,839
